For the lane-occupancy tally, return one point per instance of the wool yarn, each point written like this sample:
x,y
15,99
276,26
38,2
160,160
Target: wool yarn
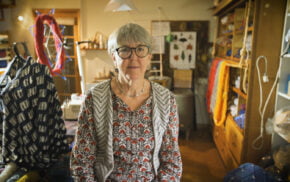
x,y
39,39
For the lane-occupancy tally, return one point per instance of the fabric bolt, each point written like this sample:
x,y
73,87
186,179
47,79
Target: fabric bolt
x,y
94,152
214,89
211,78
220,109
218,88
33,132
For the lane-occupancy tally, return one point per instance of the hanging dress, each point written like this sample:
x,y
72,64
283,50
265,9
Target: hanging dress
x,y
33,131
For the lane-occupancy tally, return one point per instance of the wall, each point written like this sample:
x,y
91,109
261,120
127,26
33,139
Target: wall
x,y
95,19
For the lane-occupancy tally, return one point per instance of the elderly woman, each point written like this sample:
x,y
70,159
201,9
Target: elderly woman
x,y
128,126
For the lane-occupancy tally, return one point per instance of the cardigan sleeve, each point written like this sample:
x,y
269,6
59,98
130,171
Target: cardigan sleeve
x,y
83,155
170,158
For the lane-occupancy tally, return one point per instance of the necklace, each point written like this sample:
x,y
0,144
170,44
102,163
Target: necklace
x,y
130,95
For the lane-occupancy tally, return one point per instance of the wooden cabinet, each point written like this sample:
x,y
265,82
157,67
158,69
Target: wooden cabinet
x,y
245,31
234,138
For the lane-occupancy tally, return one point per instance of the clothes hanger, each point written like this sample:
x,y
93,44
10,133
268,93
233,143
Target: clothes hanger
x,y
16,63
17,52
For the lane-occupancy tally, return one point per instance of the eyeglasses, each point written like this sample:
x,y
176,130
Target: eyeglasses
x,y
125,52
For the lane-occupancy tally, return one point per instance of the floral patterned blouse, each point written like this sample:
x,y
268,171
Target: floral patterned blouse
x,y
133,142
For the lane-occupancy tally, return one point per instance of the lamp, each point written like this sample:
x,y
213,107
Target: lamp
x,y
120,5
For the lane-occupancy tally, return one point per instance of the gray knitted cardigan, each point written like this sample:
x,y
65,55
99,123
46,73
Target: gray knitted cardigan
x,y
100,112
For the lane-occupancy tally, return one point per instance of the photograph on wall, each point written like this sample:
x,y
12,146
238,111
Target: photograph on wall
x,y
183,50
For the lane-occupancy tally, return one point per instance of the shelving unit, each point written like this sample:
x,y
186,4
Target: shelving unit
x,y
245,32
283,96
155,68
5,52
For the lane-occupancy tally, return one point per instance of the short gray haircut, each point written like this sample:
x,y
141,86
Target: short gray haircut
x,y
129,33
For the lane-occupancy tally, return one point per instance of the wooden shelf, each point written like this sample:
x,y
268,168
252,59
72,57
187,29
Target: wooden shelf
x,y
227,34
286,56
221,6
231,119
226,5
284,95
236,59
239,92
251,29
229,58
88,49
225,46
4,46
5,58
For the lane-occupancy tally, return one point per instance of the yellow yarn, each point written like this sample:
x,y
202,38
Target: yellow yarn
x,y
31,176
220,108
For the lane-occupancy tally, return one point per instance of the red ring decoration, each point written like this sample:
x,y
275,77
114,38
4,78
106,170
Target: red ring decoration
x,y
39,40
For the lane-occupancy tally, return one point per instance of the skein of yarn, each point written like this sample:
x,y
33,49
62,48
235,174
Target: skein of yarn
x,y
39,39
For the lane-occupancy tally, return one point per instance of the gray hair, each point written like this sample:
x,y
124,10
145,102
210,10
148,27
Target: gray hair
x,y
128,33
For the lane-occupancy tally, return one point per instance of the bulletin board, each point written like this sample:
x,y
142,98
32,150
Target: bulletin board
x,y
199,48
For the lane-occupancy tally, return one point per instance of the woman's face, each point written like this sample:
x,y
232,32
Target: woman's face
x,y
133,67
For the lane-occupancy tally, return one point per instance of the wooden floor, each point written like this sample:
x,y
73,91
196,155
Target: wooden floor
x,y
201,162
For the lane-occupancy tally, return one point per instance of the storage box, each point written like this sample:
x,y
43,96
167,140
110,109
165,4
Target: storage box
x,y
182,78
72,107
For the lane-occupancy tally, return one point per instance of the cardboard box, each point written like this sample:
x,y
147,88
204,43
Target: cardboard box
x,y
182,78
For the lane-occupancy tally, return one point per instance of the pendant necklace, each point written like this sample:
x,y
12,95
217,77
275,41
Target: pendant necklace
x,y
130,95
